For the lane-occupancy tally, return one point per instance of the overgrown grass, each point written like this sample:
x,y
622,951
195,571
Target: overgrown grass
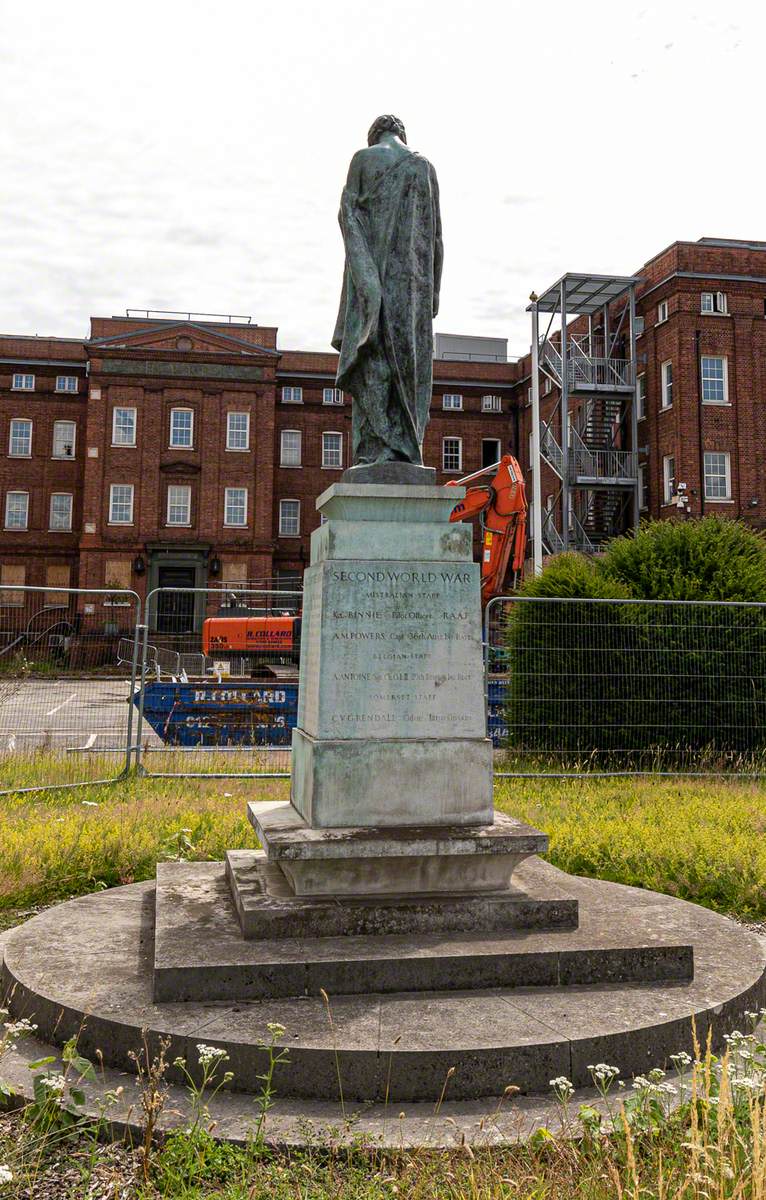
x,y
697,839
59,844
701,840
702,1137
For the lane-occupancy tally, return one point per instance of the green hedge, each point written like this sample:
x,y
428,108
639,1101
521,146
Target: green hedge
x,y
644,683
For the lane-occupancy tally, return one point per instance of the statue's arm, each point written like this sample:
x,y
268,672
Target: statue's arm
x,y
354,177
438,243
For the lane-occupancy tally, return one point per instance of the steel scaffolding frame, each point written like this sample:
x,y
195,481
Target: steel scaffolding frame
x,y
594,451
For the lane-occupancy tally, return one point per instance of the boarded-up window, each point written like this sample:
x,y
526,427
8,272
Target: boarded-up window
x,y
234,571
117,573
12,573
57,576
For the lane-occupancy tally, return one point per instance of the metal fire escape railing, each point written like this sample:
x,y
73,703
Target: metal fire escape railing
x,y
587,432
551,450
589,462
590,365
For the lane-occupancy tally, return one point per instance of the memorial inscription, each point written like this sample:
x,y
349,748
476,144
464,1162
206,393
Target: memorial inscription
x,y
401,643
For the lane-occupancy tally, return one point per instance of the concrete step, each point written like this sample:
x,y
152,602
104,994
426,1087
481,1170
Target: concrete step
x,y
84,968
224,966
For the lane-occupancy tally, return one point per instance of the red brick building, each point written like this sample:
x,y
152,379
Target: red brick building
x,y
700,392
182,452
177,453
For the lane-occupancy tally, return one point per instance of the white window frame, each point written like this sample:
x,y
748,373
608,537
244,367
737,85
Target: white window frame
x,y
496,442
641,396
717,304
459,467
452,402
112,498
172,502
56,424
724,380
173,445
285,454
667,384
643,502
292,395
662,312
492,404
725,455
547,385
332,396
332,466
282,503
238,412
228,524
67,383
21,382
8,498
668,478
123,408
12,437
52,526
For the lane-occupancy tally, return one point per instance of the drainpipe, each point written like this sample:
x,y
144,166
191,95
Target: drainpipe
x,y
701,448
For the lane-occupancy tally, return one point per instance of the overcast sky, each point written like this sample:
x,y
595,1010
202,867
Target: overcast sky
x,y
182,155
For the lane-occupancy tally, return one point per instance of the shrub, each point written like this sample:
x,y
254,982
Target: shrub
x,y
646,683
709,559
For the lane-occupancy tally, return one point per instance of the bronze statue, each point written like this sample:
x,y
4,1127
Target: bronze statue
x,y
389,217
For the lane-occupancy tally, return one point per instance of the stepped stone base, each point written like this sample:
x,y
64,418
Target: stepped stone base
x,y
268,908
86,969
408,861
219,965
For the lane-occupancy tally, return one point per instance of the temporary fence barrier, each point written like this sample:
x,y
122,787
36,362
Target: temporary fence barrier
x,y
228,713
91,687
626,686
68,666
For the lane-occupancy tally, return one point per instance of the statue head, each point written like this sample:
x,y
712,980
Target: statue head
x,y
386,124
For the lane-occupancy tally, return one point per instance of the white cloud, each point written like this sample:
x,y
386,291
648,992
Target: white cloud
x,y
187,157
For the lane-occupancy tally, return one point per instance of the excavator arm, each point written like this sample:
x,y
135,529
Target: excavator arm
x,y
501,506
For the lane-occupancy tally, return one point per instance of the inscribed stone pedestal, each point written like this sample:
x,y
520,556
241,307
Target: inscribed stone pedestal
x,y
391,721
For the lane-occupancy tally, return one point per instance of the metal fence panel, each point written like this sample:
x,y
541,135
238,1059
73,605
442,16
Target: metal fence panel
x,y
224,713
627,686
68,660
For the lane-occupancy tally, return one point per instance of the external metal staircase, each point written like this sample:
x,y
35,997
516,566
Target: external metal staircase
x,y
588,427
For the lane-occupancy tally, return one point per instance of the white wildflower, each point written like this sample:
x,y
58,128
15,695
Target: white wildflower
x,y
603,1073
53,1082
6,1174
276,1030
210,1054
563,1087
19,1029
681,1060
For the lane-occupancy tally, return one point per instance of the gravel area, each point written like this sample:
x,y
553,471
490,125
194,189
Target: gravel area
x,y
81,1170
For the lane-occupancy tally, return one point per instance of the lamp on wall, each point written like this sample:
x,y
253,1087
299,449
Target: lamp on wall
x,y
214,566
139,566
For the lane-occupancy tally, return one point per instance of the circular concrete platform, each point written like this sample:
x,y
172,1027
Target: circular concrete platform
x,y
85,968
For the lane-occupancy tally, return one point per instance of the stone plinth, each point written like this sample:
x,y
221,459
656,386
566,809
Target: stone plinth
x,y
396,860
391,718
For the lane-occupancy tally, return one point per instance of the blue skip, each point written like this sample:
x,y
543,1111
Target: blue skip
x,y
221,714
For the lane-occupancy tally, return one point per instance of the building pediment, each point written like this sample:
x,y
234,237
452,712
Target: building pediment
x,y
181,337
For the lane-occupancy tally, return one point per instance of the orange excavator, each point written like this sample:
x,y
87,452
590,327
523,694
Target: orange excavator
x,y
501,506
